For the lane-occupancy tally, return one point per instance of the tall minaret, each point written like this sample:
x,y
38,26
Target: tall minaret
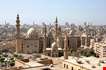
x,y
66,46
45,39
54,51
18,39
57,44
18,25
56,26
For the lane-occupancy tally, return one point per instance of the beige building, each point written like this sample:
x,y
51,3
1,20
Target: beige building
x,y
92,42
56,46
74,40
28,43
34,42
85,40
100,49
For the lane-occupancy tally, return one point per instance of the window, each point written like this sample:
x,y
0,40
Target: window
x,y
67,66
64,65
72,68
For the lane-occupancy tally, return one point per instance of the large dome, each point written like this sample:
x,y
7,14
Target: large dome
x,y
32,33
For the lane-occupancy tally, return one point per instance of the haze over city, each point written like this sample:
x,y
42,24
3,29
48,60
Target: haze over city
x,y
72,11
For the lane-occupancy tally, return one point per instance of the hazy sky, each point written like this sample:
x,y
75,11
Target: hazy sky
x,y
73,11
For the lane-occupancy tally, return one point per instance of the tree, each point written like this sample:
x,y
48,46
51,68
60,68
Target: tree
x,y
2,59
82,52
12,62
88,52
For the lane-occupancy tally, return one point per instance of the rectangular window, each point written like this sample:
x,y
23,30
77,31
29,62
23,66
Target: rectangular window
x,y
64,65
67,66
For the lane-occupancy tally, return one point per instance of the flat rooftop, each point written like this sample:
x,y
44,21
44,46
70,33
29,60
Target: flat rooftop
x,y
91,63
30,64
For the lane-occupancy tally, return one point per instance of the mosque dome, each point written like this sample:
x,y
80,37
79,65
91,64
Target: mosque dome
x,y
54,46
32,33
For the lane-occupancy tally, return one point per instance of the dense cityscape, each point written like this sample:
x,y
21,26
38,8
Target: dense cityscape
x,y
52,46
53,35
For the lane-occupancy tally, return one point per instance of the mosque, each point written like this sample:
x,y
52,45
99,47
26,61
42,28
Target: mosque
x,y
28,44
50,42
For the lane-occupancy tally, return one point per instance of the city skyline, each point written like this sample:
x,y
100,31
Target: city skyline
x,y
52,35
72,11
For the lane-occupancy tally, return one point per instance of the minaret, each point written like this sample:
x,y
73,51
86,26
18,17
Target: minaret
x,y
54,51
57,44
18,26
45,39
18,39
66,46
56,26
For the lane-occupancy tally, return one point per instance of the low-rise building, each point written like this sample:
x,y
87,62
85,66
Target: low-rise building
x,y
83,63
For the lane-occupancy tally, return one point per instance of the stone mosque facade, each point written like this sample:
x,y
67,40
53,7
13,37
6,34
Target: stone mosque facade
x,y
29,43
51,42
34,43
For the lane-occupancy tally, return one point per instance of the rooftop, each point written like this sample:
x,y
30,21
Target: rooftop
x,y
91,63
28,64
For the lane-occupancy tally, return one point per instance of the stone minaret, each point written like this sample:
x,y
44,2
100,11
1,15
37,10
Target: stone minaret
x,y
56,27
57,44
18,39
18,26
54,51
66,46
45,39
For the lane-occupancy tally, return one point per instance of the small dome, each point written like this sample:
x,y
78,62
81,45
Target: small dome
x,y
32,33
54,46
